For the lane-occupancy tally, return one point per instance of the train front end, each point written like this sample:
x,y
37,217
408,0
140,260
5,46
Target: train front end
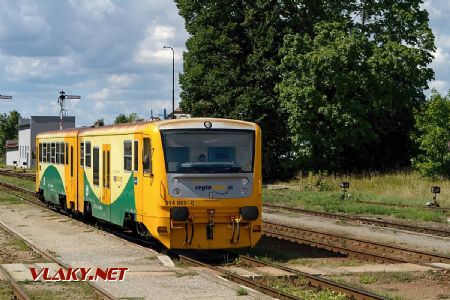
x,y
214,183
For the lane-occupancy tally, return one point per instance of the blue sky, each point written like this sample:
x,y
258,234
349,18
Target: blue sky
x,y
111,54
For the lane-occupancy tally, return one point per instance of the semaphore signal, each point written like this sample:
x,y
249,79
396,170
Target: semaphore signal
x,y
61,101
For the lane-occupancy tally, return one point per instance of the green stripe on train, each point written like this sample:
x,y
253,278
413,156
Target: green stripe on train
x,y
114,212
52,185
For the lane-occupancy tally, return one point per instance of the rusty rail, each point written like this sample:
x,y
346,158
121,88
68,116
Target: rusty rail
x,y
361,248
27,176
17,290
363,220
317,281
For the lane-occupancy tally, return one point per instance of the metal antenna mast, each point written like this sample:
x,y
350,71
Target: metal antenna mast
x,y
61,101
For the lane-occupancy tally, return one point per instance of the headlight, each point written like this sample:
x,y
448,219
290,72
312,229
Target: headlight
x,y
175,180
244,191
245,181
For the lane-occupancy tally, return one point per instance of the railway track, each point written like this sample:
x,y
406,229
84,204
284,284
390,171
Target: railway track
x,y
314,281
17,291
102,294
363,220
27,176
360,248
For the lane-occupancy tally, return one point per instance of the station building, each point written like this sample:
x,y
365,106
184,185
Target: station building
x,y
12,152
28,129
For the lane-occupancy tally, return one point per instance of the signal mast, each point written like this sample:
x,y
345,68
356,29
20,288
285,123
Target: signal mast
x,y
61,101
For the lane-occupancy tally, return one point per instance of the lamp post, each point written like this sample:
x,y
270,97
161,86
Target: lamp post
x,y
173,80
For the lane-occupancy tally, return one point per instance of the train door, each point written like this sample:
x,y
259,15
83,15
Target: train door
x,y
147,171
80,174
106,177
70,173
137,174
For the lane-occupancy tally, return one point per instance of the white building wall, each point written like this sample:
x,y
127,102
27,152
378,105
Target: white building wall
x,y
24,148
11,157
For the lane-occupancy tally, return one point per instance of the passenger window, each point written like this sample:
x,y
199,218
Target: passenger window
x,y
127,155
40,152
53,153
95,171
67,153
88,154
136,156
57,157
82,154
147,156
48,153
44,152
61,149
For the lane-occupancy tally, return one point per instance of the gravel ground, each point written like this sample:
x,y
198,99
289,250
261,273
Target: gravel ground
x,y
372,233
80,245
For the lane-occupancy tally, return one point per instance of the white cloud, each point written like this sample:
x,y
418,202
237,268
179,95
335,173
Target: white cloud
x,y
440,85
432,10
20,67
94,9
151,49
441,58
121,80
99,98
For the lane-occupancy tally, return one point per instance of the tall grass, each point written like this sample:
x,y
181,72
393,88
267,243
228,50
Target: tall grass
x,y
405,188
323,193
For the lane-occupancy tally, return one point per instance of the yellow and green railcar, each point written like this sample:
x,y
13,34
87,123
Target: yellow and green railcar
x,y
189,183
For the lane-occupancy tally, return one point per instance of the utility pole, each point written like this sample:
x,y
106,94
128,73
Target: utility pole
x,y
61,101
173,80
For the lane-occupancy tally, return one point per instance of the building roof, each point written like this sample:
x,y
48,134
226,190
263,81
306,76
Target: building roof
x,y
51,118
10,144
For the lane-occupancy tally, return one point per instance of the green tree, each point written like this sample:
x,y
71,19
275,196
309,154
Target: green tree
x,y
232,58
122,118
352,86
100,122
432,137
8,128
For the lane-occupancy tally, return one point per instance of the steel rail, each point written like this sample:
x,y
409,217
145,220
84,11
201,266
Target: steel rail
x,y
27,176
363,220
103,294
17,290
241,280
292,234
357,247
229,275
317,281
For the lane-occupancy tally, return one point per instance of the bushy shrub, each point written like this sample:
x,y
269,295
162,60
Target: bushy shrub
x,y
432,137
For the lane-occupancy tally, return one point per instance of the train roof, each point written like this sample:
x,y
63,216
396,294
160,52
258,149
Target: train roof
x,y
141,126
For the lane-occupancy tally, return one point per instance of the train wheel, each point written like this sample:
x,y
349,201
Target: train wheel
x,y
87,213
140,229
